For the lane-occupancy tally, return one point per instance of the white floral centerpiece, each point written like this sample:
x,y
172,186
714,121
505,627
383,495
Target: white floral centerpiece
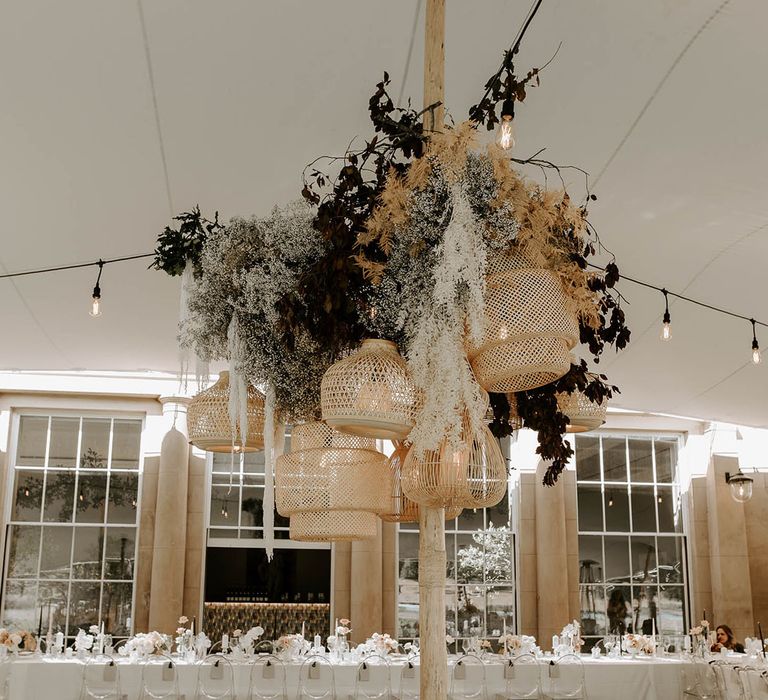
x,y
412,649
184,635
143,644
291,646
84,641
244,644
381,644
17,640
515,644
700,635
635,644
570,639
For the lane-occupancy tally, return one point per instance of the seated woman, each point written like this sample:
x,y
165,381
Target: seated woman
x,y
725,640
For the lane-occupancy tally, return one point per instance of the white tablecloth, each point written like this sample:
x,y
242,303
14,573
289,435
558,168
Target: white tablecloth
x,y
606,679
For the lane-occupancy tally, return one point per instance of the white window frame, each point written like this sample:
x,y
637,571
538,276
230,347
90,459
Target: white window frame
x,y
610,485
10,494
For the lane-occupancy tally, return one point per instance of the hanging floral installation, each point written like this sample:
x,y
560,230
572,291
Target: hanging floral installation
x,y
406,243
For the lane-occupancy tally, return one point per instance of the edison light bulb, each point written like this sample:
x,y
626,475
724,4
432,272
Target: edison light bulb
x,y
506,135
666,331
755,354
95,306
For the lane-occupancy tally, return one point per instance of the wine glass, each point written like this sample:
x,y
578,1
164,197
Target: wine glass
x,y
466,645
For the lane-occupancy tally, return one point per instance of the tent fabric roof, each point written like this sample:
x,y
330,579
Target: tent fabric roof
x,y
662,101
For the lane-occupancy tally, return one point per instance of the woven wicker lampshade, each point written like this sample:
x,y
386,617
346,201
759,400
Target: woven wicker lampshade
x,y
529,330
370,393
208,420
583,414
473,477
401,508
331,485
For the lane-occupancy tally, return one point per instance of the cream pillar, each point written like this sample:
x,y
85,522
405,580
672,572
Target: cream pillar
x,y
551,557
729,553
366,588
169,548
388,578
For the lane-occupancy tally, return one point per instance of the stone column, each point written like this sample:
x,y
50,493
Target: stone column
x,y
366,590
342,580
729,553
388,578
756,512
169,549
551,558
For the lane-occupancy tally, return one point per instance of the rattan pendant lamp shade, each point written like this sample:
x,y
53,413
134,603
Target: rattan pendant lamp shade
x,y
529,330
474,476
401,508
370,393
209,425
331,485
583,414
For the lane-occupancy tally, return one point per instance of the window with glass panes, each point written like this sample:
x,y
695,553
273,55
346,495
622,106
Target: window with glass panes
x,y
72,525
237,498
632,573
479,576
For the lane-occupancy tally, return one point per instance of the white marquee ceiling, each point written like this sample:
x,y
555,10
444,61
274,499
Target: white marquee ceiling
x,y
248,92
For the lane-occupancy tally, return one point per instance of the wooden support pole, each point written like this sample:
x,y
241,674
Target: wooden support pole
x,y
434,63
433,679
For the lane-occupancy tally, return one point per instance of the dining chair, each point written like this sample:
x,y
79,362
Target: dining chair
x,y
316,679
699,679
564,679
215,678
5,677
408,680
160,679
522,678
101,679
373,679
468,681
729,680
267,679
755,683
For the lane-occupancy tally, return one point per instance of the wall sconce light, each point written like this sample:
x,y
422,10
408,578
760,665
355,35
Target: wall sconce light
x,y
741,486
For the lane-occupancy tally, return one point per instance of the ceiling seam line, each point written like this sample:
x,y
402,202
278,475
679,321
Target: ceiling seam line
x,y
156,109
35,319
658,89
407,68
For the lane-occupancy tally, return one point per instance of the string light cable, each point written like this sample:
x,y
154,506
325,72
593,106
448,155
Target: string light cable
x,y
666,331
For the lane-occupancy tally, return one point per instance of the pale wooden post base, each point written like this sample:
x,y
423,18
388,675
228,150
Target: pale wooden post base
x,y
433,678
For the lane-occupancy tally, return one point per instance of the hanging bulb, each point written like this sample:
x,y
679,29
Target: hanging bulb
x,y
505,136
81,496
95,305
660,499
133,503
96,298
666,328
26,491
755,346
610,501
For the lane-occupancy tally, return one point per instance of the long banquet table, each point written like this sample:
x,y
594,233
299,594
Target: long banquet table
x,y
606,678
